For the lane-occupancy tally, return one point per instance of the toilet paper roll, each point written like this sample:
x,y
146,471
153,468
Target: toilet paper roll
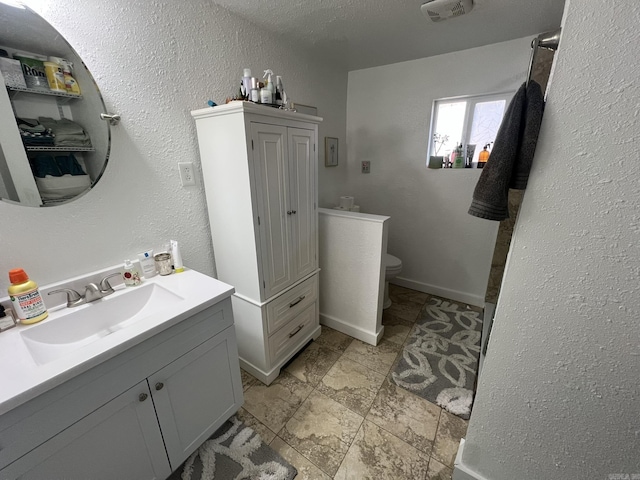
x,y
355,208
346,202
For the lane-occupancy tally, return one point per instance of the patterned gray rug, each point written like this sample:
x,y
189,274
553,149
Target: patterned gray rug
x,y
440,358
235,452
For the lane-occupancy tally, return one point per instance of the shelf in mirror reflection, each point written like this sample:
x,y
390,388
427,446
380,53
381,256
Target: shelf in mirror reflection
x,y
59,149
36,91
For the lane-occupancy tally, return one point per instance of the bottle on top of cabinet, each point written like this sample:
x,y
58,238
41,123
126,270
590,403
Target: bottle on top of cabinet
x,y
246,83
267,94
279,91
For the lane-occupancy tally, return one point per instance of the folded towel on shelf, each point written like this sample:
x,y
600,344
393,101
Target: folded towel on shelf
x,y
30,125
46,164
59,178
33,133
512,154
63,125
67,132
62,188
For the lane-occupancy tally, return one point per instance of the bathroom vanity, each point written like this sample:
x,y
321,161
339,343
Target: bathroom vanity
x,y
130,399
259,166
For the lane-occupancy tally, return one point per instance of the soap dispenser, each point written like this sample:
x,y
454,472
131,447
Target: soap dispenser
x,y
483,156
131,276
458,159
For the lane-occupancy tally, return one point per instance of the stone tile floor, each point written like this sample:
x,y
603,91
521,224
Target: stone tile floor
x,y
333,412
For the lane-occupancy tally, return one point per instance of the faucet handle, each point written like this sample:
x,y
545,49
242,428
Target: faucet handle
x,y
73,297
105,286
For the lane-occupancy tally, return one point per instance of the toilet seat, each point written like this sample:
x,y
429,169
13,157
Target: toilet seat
x,y
393,265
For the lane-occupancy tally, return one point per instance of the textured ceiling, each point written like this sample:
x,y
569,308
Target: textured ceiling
x,y
367,33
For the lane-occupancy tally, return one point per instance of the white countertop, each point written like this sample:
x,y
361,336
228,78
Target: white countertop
x,y
22,379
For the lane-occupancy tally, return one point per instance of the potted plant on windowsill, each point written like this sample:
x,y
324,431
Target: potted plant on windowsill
x,y
436,161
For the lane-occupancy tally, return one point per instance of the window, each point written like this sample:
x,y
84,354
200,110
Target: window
x,y
467,120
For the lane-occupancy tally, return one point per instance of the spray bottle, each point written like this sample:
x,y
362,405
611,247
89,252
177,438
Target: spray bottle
x,y
270,88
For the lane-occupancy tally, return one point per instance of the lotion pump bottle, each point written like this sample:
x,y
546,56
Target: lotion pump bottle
x,y
178,267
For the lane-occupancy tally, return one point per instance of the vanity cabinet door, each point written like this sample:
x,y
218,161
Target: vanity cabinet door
x,y
196,394
119,440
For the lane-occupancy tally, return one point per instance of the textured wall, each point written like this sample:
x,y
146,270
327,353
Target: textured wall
x,y
558,397
155,62
444,250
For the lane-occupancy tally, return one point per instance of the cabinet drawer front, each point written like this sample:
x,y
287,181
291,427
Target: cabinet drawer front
x,y
285,307
285,340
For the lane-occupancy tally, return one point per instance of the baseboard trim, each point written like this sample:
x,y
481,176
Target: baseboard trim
x,y
356,332
458,296
461,471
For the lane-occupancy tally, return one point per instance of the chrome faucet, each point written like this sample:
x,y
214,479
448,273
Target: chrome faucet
x,y
92,292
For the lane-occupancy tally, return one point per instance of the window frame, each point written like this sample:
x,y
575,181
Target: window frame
x,y
472,101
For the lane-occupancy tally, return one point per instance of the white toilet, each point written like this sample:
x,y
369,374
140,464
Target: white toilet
x,y
393,267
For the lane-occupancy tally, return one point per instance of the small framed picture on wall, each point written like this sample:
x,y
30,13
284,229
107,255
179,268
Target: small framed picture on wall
x,y
330,152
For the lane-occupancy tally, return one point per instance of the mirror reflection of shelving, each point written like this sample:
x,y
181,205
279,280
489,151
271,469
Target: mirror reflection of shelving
x,y
41,105
79,137
29,103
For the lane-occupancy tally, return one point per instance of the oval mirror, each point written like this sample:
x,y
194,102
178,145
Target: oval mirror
x,y
54,146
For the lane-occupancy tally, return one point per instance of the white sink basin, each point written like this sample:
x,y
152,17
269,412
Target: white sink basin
x,y
73,328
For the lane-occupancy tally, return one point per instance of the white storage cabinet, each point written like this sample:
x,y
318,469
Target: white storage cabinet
x,y
259,166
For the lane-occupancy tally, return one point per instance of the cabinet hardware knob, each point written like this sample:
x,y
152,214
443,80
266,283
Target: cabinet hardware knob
x,y
295,332
289,212
294,212
159,385
142,397
297,301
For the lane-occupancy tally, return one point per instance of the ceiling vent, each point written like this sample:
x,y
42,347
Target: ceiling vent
x,y
438,10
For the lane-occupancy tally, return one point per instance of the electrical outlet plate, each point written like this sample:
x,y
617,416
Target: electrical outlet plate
x,y
186,174
366,166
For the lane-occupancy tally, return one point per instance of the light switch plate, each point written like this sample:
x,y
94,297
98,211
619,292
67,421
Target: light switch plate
x,y
366,166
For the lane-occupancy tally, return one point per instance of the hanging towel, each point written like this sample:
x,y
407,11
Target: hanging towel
x,y
512,154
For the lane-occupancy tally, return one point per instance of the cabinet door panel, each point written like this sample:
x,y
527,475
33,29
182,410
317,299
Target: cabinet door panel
x,y
196,394
302,168
96,447
272,185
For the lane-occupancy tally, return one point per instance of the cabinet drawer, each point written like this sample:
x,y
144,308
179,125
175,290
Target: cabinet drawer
x,y
288,305
284,341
